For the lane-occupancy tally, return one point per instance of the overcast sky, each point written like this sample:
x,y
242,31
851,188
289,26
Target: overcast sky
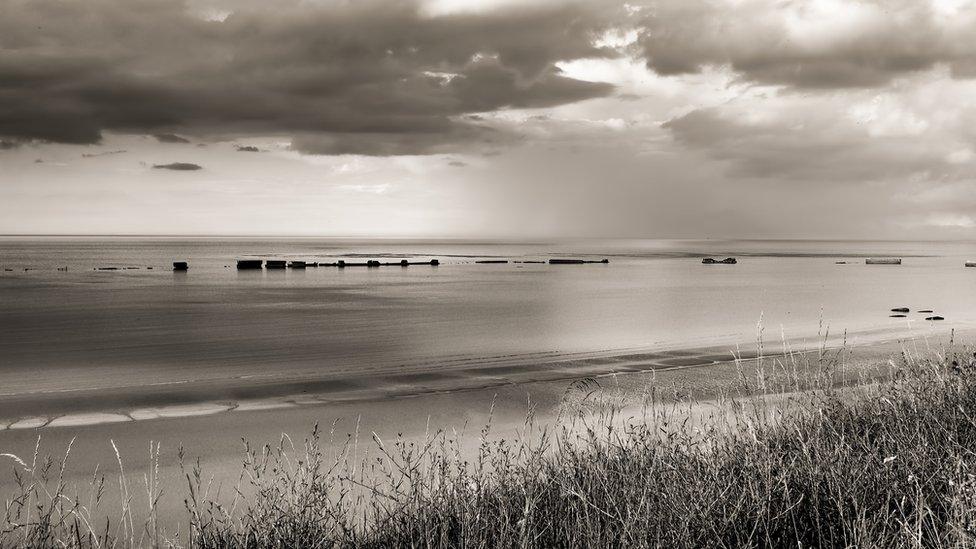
x,y
489,118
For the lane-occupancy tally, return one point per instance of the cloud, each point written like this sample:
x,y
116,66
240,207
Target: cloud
x,y
952,220
247,148
365,75
7,145
104,153
178,166
170,138
828,44
488,85
452,137
801,146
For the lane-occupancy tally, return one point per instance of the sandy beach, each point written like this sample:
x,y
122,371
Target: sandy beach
x,y
213,431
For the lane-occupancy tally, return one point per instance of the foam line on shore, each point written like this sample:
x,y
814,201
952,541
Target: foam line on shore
x,y
263,404
29,423
180,410
79,420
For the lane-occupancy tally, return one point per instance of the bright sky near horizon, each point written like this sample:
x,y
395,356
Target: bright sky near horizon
x,y
489,118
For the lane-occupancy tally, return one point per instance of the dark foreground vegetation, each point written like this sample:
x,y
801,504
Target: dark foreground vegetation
x,y
886,464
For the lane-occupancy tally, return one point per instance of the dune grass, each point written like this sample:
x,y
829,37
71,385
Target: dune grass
x,y
783,459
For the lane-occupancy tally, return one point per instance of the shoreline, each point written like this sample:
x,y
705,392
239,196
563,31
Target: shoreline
x,y
174,400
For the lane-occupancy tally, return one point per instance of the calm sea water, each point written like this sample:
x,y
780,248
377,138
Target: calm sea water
x,y
84,329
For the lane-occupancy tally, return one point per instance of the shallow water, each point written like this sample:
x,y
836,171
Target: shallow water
x,y
214,326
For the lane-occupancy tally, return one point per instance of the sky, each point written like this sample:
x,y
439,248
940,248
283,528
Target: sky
x,y
489,118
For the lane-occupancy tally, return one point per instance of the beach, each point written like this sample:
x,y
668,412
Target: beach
x,y
213,434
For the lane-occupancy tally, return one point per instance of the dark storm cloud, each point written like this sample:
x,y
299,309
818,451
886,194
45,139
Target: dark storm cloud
x,y
170,138
489,85
865,44
247,148
178,166
372,77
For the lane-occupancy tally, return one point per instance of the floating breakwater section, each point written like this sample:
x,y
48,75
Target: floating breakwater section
x,y
576,261
245,264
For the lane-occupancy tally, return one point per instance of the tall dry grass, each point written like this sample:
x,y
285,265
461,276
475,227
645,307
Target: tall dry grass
x,y
802,450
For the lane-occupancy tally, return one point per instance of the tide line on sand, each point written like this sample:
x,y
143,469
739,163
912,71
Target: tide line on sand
x,y
29,423
185,410
97,418
78,420
265,404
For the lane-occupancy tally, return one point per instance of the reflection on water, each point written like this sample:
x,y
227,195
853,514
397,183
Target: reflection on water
x,y
81,327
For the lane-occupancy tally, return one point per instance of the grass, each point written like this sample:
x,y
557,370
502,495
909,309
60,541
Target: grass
x,y
793,454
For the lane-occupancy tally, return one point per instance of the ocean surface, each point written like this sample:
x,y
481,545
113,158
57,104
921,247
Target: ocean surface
x,y
72,337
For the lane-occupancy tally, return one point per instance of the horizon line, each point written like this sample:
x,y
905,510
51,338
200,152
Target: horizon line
x,y
482,238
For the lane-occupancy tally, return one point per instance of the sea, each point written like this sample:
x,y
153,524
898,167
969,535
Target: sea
x,y
85,320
